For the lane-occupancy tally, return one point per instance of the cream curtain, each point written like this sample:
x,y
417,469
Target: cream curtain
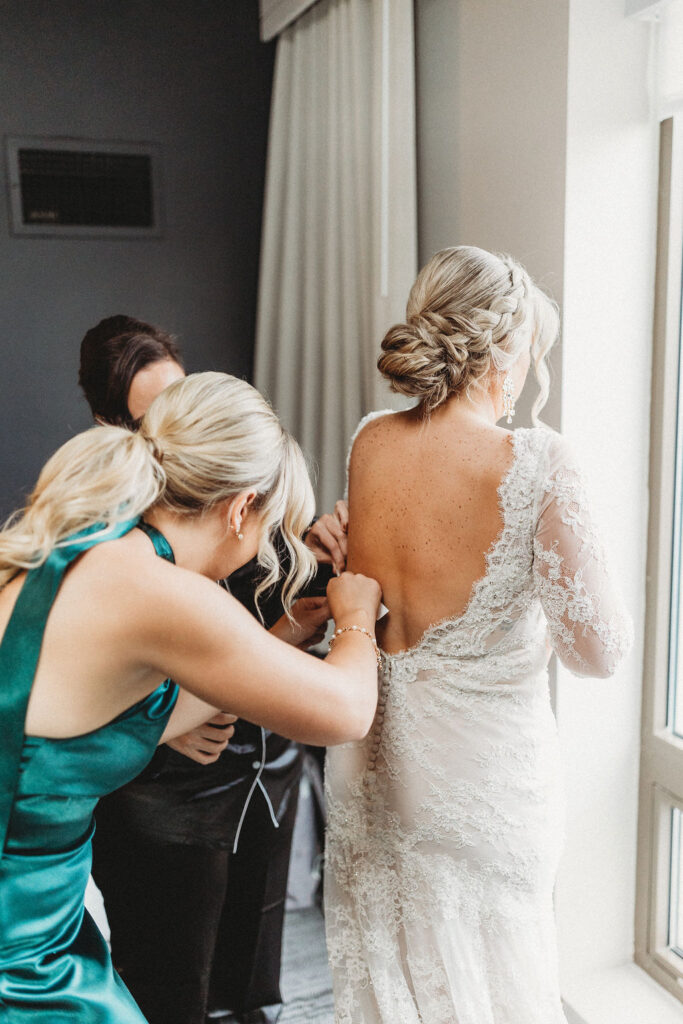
x,y
275,15
339,237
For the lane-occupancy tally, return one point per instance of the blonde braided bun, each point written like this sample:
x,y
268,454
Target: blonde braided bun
x,y
469,313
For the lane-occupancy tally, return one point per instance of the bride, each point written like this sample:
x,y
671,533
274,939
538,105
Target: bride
x,y
445,823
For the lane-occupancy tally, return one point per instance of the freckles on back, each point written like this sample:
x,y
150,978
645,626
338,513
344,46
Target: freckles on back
x,y
423,513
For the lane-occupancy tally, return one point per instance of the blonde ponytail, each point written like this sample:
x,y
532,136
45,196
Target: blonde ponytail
x,y
203,440
102,476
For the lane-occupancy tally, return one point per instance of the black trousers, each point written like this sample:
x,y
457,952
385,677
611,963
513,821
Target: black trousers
x,y
195,929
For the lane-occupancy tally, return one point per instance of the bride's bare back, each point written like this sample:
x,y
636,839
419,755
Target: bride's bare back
x,y
424,512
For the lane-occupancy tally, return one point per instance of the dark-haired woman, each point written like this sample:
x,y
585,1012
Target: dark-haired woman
x,y
125,363
160,514
210,823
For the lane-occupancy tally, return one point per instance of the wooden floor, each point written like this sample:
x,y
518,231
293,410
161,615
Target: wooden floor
x,y
306,983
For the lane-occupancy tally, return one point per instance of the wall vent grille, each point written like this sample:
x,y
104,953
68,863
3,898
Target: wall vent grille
x,y
69,187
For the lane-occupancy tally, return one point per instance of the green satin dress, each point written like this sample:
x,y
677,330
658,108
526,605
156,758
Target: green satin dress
x,y
54,964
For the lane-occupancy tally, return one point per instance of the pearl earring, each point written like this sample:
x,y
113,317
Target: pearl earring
x,y
508,397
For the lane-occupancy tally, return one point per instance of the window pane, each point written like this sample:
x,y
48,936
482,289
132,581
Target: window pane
x,y
675,715
669,63
676,894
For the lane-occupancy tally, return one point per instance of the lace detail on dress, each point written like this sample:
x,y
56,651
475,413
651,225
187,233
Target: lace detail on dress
x,y
589,627
441,856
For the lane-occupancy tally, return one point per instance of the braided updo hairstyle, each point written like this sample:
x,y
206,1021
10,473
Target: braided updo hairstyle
x,y
469,312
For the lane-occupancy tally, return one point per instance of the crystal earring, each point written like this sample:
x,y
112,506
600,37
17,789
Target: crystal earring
x,y
508,397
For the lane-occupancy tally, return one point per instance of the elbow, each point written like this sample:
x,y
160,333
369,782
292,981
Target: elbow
x,y
354,720
614,651
598,650
600,671
599,663
363,723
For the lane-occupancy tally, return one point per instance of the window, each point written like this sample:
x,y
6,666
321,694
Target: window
x,y
659,924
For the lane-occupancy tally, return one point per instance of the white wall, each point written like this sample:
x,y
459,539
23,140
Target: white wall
x,y
534,136
491,100
192,77
610,215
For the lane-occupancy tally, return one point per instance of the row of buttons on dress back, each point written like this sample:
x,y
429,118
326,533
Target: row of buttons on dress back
x,y
376,734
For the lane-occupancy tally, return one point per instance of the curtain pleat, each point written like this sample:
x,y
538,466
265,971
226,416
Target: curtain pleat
x,y
321,310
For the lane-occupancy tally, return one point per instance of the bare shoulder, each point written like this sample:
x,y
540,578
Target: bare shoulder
x,y
137,582
157,607
378,429
132,562
130,559
372,423
491,446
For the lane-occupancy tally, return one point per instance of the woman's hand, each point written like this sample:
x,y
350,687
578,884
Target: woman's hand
x,y
327,537
354,600
207,742
311,615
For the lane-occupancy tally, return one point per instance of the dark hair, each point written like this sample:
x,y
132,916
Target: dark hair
x,y
111,354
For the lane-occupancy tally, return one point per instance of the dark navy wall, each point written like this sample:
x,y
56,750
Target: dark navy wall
x,y
191,76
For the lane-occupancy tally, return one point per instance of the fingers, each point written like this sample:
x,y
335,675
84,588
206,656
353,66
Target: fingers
x,y
341,511
304,603
217,735
352,591
316,638
222,719
319,613
311,610
327,538
204,757
210,745
311,615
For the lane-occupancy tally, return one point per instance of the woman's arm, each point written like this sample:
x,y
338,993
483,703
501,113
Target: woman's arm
x,y
203,639
310,615
590,629
204,742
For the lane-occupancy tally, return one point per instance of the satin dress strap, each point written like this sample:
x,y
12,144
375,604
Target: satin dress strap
x,y
161,545
20,651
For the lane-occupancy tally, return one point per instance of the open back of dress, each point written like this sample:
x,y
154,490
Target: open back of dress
x,y
446,823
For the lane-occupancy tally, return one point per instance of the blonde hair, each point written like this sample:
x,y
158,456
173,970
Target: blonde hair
x,y
469,312
204,439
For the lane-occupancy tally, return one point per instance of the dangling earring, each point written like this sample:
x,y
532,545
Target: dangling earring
x,y
238,533
240,536
508,397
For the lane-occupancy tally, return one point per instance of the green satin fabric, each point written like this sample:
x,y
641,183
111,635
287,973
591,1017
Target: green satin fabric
x,y
54,964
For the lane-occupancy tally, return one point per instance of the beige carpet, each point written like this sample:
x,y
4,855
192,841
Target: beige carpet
x,y
306,982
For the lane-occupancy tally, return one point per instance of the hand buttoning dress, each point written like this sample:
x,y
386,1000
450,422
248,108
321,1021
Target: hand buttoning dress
x,y
446,822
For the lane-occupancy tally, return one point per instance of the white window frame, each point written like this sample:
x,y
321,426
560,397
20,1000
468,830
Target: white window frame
x,y
661,768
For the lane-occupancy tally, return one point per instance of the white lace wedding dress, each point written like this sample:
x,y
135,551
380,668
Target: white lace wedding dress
x,y
446,823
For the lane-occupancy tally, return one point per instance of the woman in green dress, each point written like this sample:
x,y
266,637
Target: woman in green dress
x,y
84,668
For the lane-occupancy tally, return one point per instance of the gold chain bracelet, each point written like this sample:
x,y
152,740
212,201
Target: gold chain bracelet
x,y
358,629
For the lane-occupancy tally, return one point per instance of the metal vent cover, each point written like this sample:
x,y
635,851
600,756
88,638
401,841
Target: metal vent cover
x,y
83,188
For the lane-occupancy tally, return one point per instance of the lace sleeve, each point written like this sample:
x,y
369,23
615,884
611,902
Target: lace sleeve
x,y
589,627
